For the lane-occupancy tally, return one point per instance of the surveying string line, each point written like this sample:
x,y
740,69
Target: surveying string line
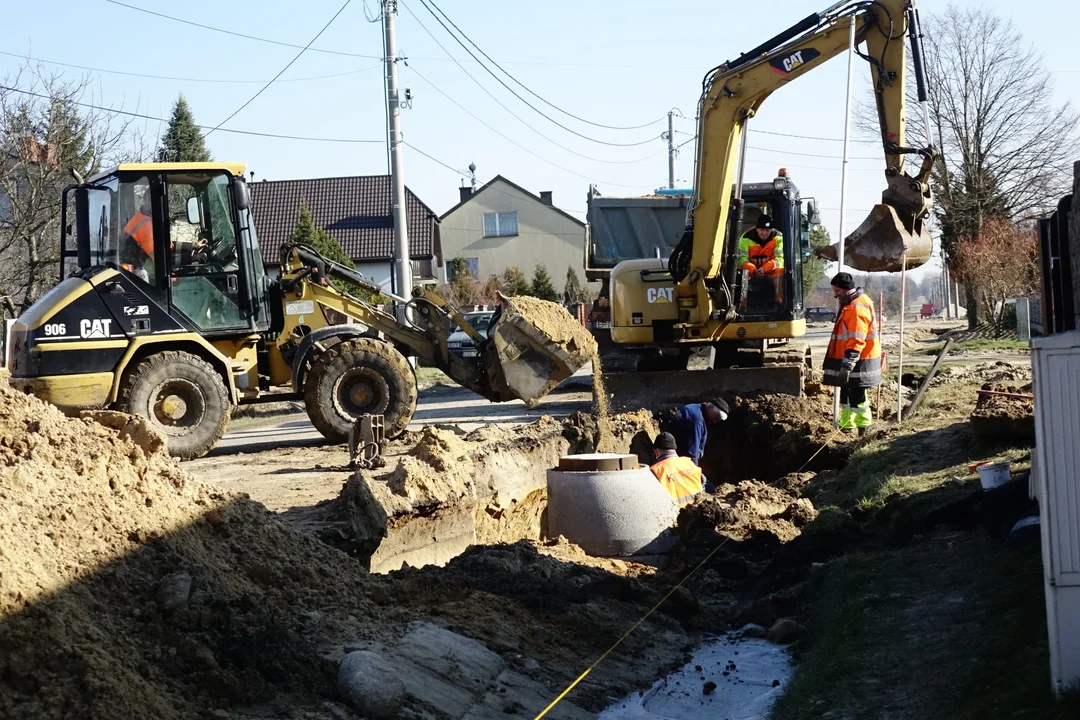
x,y
143,116
180,79
500,103
282,71
513,92
635,626
526,88
236,34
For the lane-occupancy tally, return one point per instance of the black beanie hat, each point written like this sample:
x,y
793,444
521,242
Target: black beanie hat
x,y
844,281
764,221
664,441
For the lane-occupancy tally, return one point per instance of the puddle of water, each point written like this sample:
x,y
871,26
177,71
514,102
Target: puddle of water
x,y
746,692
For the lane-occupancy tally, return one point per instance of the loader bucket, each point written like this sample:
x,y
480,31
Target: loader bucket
x,y
879,244
532,358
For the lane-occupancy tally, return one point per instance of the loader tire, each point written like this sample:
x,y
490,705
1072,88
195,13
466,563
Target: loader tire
x,y
356,377
181,395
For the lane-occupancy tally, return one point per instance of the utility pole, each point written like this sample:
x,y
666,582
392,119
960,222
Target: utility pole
x,y
670,150
402,258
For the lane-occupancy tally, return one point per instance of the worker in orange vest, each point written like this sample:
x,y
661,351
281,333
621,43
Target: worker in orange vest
x,y
679,475
853,360
140,228
761,253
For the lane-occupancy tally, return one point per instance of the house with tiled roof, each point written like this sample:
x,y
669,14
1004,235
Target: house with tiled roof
x,y
357,212
502,224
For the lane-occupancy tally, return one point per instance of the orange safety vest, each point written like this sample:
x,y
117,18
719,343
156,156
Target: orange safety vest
x,y
756,254
141,229
854,337
680,477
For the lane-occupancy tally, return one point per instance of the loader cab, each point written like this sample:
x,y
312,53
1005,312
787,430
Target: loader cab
x,y
181,242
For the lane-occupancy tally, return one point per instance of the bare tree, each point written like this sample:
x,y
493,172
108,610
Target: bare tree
x,y
1004,143
1000,264
47,132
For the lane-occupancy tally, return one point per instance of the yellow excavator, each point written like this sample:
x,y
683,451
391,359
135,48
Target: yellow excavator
x,y
700,297
166,312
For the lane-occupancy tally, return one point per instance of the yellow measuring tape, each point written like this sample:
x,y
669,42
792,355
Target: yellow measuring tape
x,y
626,634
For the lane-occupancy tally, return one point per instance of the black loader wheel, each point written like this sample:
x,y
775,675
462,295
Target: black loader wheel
x,y
181,395
356,377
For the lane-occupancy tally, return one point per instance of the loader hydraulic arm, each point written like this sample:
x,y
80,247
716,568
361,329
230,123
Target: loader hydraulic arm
x,y
703,264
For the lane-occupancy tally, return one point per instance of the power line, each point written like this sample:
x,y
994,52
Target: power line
x,y
180,79
527,89
142,116
815,155
236,34
507,139
282,71
437,160
503,106
515,93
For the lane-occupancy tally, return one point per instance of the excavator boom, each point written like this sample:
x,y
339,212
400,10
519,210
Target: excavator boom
x,y
893,234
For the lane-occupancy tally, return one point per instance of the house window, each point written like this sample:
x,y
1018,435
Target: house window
x,y
472,263
500,224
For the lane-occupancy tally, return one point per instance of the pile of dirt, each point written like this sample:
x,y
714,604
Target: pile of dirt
x,y
747,510
1007,416
914,337
988,372
128,590
552,320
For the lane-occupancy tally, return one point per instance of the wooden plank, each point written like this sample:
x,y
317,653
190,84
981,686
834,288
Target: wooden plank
x,y
926,380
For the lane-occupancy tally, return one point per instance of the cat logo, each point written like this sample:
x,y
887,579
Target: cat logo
x,y
94,328
793,61
660,295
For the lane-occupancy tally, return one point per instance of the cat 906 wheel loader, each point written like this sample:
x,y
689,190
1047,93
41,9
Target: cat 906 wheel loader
x,y
166,311
704,297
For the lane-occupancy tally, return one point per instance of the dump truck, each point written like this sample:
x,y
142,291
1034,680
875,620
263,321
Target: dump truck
x,y
165,311
702,297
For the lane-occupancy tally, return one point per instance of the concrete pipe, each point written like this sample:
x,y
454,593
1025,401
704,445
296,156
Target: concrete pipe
x,y
610,506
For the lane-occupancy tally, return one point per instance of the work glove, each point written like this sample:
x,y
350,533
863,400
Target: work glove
x,y
845,372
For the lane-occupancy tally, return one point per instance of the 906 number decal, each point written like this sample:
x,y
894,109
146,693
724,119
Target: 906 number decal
x,y
55,329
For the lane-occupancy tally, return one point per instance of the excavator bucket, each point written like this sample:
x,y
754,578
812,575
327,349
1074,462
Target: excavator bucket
x,y
880,243
537,346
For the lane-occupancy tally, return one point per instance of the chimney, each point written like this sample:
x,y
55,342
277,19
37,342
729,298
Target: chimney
x,y
466,193
545,197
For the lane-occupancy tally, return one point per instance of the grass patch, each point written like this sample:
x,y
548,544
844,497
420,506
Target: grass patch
x,y
953,627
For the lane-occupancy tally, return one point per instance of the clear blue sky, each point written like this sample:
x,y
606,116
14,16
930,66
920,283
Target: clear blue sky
x,y
618,62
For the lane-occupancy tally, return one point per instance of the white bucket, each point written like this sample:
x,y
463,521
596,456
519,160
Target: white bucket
x,y
994,474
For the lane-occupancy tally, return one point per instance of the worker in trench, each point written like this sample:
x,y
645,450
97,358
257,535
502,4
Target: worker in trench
x,y
690,426
853,360
680,476
761,253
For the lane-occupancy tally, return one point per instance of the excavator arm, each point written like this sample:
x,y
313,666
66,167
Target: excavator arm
x,y
704,264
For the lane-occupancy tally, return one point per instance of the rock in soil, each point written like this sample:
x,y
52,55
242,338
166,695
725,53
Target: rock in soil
x,y
370,684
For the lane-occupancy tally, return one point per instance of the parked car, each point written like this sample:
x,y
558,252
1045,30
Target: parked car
x,y
820,314
459,343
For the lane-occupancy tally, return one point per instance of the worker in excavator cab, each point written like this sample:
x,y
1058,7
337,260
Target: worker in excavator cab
x,y
853,360
689,425
140,230
679,475
761,253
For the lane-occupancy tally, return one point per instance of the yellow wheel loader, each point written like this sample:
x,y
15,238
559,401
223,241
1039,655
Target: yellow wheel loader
x,y
704,296
166,311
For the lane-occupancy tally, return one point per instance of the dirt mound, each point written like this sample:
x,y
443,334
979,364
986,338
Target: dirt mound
x,y
556,323
1008,416
989,372
745,510
128,590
